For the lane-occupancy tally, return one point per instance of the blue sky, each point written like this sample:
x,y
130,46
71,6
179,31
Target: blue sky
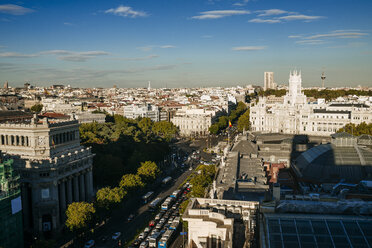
x,y
184,43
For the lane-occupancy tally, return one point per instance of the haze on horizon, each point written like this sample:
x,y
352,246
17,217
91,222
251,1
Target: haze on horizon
x,y
184,43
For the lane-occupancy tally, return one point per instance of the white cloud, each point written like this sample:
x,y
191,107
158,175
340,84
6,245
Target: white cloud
x,y
152,56
150,47
61,54
56,52
310,42
270,12
295,36
248,48
217,14
82,56
203,17
259,20
317,39
13,9
16,55
126,11
243,3
300,17
337,34
167,46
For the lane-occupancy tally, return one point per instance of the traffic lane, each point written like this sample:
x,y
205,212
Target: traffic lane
x,y
140,220
165,194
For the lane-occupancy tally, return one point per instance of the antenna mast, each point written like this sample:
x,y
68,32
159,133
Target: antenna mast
x,y
323,77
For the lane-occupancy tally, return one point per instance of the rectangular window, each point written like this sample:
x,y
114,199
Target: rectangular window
x,y
45,193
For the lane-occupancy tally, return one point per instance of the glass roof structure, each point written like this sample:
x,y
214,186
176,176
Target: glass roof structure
x,y
322,231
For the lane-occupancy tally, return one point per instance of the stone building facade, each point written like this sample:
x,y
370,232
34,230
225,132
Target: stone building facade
x,y
295,115
55,169
221,223
194,122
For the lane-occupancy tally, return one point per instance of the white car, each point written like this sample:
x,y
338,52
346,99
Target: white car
x,y
89,244
116,235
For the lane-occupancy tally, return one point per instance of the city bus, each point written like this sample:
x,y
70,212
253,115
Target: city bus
x,y
153,240
166,180
175,223
166,239
175,194
154,204
167,203
147,197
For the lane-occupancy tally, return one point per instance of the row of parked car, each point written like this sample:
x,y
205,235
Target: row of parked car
x,y
162,230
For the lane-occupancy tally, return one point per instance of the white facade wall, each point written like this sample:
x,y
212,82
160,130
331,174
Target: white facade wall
x,y
193,125
296,116
269,80
134,111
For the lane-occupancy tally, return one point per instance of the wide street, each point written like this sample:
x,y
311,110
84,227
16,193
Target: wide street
x,y
118,221
141,219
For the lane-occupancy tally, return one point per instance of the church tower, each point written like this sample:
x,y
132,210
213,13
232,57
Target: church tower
x,y
295,95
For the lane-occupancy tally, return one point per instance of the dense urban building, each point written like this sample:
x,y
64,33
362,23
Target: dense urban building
x,y
221,223
269,82
55,169
146,110
193,122
11,234
295,115
89,117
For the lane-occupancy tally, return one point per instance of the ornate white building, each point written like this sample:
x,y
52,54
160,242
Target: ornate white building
x,y
144,110
193,121
55,169
220,223
295,115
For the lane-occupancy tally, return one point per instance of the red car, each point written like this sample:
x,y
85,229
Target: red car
x,y
152,223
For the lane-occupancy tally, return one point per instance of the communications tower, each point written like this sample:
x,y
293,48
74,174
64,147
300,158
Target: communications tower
x,y
323,77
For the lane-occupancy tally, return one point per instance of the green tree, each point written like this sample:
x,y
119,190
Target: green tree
x,y
213,129
145,124
202,180
130,182
37,108
79,215
165,129
362,128
107,197
243,121
148,170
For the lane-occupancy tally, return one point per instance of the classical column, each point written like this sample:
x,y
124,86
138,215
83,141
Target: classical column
x,y
90,183
86,180
62,199
76,188
82,187
69,191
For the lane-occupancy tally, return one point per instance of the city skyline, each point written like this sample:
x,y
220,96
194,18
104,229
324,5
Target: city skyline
x,y
184,44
